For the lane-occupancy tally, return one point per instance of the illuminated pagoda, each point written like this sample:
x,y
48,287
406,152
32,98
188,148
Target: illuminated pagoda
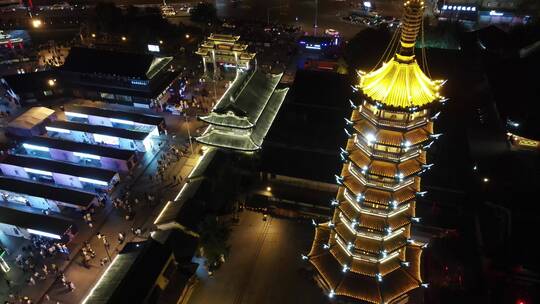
x,y
242,117
366,252
225,49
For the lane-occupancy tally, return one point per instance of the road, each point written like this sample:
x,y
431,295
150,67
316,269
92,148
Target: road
x,y
264,265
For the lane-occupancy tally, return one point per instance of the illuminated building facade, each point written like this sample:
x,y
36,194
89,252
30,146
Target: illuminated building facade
x,y
366,252
226,50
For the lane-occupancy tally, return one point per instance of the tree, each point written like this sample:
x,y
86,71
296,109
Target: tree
x,y
204,12
213,238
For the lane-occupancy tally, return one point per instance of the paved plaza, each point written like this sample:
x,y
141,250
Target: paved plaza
x,y
264,265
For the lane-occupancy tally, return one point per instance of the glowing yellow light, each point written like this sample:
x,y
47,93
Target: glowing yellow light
x,y
187,36
268,189
161,42
51,82
93,35
124,38
400,85
36,23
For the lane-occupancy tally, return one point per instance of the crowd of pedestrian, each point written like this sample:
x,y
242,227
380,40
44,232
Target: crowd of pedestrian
x,y
35,262
88,254
53,55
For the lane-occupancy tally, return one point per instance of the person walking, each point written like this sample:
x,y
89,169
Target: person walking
x,y
121,237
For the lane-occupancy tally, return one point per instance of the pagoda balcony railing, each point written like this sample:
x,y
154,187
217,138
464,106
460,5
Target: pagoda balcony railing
x,y
386,213
377,236
392,123
365,256
397,185
362,145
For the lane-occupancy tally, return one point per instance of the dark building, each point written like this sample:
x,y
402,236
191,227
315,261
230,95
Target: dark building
x,y
134,79
139,80
301,153
153,271
519,56
33,87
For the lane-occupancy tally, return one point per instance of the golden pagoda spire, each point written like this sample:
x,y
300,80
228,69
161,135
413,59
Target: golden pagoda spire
x,y
412,21
400,82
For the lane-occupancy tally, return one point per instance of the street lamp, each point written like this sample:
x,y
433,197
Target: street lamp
x,y
268,189
124,38
93,35
486,179
36,23
161,42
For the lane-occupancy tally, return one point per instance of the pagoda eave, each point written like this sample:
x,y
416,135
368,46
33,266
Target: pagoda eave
x,y
360,287
383,106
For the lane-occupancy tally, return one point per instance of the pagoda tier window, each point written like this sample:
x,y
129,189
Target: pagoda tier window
x,y
394,115
388,149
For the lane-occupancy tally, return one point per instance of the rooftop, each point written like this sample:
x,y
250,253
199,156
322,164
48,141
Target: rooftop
x,y
99,61
58,167
29,82
74,146
29,218
223,37
31,117
128,116
400,85
95,129
68,196
309,128
139,265
252,142
245,101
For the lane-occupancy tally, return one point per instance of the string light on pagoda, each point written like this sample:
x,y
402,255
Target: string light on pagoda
x,y
421,193
435,136
364,169
370,138
331,294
